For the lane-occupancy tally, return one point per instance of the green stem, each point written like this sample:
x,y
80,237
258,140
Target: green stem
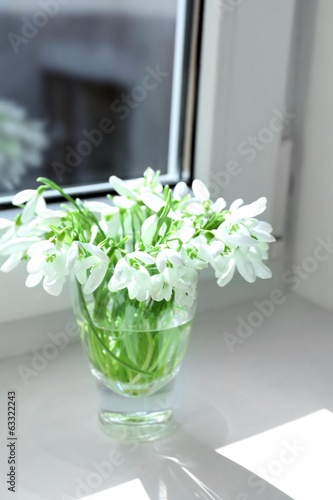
x,y
92,326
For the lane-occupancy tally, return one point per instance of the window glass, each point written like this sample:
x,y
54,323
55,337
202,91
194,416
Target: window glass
x,y
87,89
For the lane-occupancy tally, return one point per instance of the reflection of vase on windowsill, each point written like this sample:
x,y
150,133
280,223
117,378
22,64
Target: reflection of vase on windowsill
x,y
134,267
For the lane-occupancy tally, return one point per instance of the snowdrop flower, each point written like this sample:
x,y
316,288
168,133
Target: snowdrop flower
x,y
15,249
124,188
152,201
187,230
135,189
199,252
12,247
180,191
7,230
234,236
202,203
239,212
260,230
34,203
160,290
185,298
98,207
148,230
174,272
98,264
130,273
248,262
46,263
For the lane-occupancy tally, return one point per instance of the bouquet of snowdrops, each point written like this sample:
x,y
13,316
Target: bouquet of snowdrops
x,y
135,262
148,240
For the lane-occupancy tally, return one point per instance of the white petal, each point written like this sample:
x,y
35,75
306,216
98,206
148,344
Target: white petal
x,y
29,210
142,277
245,267
84,264
98,207
96,277
41,247
227,276
34,279
261,270
174,257
219,205
16,245
152,201
123,202
142,257
11,262
53,286
200,190
40,205
81,276
96,251
23,196
94,232
161,261
35,264
195,208
236,204
72,256
180,190
157,292
133,288
48,213
254,209
215,248
5,223
172,277
142,295
121,188
186,233
148,229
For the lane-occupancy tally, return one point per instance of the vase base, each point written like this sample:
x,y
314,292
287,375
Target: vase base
x,y
137,426
136,418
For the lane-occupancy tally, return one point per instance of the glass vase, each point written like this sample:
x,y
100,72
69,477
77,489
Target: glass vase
x,y
134,349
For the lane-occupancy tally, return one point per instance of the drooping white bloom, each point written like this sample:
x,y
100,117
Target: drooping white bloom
x,y
180,191
202,203
239,212
130,273
161,290
34,203
7,230
46,263
198,253
177,275
97,271
136,188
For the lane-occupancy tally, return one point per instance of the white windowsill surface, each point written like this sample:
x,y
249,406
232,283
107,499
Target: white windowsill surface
x,y
281,372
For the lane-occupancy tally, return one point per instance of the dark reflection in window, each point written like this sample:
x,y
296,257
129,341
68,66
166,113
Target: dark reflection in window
x,y
99,80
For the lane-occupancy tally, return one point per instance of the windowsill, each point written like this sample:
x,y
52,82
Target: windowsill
x,y
282,371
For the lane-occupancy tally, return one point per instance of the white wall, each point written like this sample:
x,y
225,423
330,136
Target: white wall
x,y
314,193
244,79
